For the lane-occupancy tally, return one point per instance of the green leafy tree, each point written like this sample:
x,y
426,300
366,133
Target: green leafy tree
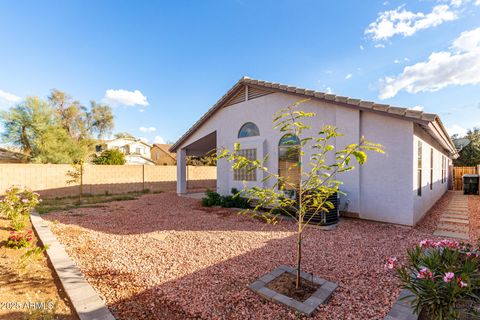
x,y
54,145
76,176
79,122
319,174
25,122
470,154
59,130
100,119
110,157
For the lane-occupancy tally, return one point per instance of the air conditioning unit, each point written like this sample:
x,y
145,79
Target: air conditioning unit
x,y
324,218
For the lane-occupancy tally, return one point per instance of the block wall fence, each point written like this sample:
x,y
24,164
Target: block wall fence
x,y
50,180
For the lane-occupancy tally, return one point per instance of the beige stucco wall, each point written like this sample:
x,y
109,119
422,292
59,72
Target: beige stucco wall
x,y
50,179
381,190
429,196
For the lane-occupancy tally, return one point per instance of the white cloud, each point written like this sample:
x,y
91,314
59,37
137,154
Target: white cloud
x,y
458,66
456,3
125,97
159,139
147,129
348,76
477,3
396,61
406,23
379,45
9,97
329,90
362,48
456,129
417,108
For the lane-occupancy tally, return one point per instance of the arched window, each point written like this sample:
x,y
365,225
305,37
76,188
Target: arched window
x,y
288,162
249,129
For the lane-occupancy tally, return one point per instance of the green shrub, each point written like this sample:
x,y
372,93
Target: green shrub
x,y
443,277
231,201
212,199
110,157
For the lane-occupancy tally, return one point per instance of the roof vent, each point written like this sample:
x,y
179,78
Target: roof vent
x,y
257,93
237,98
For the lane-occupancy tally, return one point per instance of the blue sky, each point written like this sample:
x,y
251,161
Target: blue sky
x,y
162,64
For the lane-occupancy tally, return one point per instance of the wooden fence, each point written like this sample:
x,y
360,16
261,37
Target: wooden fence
x,y
50,180
458,173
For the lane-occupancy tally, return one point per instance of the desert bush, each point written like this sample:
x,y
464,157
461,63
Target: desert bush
x,y
443,277
17,201
20,239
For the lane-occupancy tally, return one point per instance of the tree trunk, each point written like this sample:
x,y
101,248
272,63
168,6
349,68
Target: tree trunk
x,y
27,149
299,257
81,184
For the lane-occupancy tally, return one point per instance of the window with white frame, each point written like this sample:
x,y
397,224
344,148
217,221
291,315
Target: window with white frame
x,y
247,173
431,168
419,169
443,169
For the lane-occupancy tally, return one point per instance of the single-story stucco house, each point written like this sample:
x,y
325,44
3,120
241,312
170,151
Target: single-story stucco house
x,y
399,186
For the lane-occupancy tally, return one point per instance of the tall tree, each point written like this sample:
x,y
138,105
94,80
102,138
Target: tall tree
x,y
25,122
71,114
101,119
470,154
79,122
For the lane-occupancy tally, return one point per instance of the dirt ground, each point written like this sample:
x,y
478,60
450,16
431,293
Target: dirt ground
x,y
30,293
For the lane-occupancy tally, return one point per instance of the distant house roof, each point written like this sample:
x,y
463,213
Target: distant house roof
x,y
11,156
165,148
429,121
128,138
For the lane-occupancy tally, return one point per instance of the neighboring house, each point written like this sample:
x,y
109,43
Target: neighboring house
x,y
399,186
7,156
161,155
136,151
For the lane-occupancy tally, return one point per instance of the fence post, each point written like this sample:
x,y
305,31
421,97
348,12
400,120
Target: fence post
x,y
143,178
478,172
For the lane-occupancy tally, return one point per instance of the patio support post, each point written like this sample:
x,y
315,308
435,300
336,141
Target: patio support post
x,y
181,171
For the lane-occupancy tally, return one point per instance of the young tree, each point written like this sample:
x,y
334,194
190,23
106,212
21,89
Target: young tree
x,y
110,157
318,172
76,176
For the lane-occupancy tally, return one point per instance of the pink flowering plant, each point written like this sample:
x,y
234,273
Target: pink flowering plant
x,y
443,278
20,239
17,204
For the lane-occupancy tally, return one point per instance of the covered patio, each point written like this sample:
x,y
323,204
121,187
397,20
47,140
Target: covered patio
x,y
197,148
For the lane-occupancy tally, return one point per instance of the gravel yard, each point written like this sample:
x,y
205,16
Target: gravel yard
x,y
166,257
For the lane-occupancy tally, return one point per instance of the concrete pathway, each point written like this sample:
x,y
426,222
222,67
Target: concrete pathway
x,y
454,222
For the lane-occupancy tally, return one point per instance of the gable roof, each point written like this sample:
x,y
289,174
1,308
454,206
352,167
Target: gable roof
x,y
429,121
132,140
165,148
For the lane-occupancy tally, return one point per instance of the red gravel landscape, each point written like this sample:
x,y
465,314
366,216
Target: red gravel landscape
x,y
166,257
